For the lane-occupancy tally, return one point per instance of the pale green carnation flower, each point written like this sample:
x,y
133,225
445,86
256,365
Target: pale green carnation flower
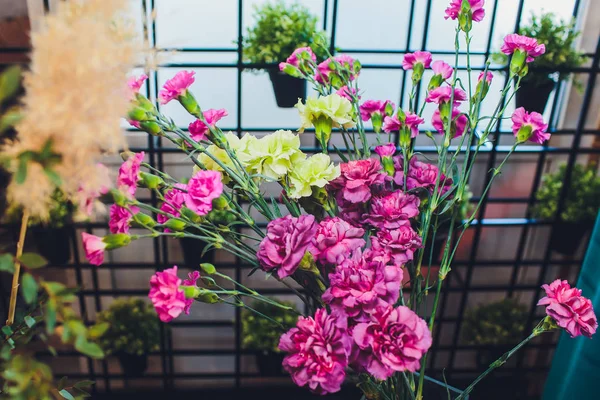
x,y
325,113
315,171
272,156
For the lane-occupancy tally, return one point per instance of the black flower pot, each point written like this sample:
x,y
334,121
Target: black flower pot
x,y
54,244
192,252
269,363
533,94
566,237
133,365
287,89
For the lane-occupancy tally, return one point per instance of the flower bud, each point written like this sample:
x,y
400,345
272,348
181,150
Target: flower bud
x,y
404,138
150,181
389,109
323,125
145,104
417,73
188,101
208,268
518,63
151,127
388,165
137,114
114,241
221,217
435,82
144,220
175,225
524,133
208,297
119,198
220,203
377,121
189,214
290,70
191,292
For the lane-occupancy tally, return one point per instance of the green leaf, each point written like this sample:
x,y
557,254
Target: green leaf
x,y
9,119
66,395
83,384
81,392
33,260
6,263
30,288
53,176
10,81
98,330
21,173
29,321
87,348
61,383
50,316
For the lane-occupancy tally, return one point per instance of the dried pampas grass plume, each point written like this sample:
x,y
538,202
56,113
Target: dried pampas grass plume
x,y
75,96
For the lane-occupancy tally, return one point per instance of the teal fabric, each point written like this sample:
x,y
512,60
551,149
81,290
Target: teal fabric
x,y
575,371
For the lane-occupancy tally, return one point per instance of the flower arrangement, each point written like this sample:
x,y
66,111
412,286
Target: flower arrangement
x,y
341,235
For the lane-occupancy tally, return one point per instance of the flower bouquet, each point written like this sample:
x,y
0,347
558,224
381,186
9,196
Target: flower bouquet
x,y
347,233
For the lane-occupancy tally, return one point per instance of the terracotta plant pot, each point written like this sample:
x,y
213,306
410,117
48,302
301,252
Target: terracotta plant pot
x,y
566,237
54,244
533,95
133,365
269,363
287,89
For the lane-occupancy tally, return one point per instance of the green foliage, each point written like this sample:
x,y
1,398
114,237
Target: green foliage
x,y
10,82
280,30
259,333
498,323
130,326
583,197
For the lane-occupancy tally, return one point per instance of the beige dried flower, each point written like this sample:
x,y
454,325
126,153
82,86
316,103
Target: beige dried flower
x,y
76,94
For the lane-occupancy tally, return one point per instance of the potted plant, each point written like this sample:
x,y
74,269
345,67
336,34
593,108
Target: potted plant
x,y
278,31
261,336
52,236
133,332
545,71
580,208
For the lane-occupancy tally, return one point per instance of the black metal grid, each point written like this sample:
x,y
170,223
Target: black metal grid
x,y
156,151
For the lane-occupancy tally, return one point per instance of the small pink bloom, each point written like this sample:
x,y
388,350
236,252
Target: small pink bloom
x,y
412,122
136,82
393,340
295,58
393,210
285,244
513,42
318,350
477,10
443,95
420,174
459,123
345,92
521,118
198,129
400,243
439,67
392,124
190,281
335,239
357,179
571,311
120,218
86,196
324,69
129,173
94,248
488,77
370,107
166,295
385,150
411,59
174,200
176,86
361,283
202,189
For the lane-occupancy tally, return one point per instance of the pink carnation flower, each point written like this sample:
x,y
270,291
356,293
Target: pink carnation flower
x,y
358,178
488,77
176,86
287,240
345,92
129,173
392,211
166,295
393,340
412,121
442,68
477,10
400,243
324,69
198,129
420,174
318,351
294,58
135,82
191,280
174,200
120,218
571,311
361,283
370,107
350,212
335,239
521,118
530,46
411,59
443,94
202,189
459,123
94,248
385,150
